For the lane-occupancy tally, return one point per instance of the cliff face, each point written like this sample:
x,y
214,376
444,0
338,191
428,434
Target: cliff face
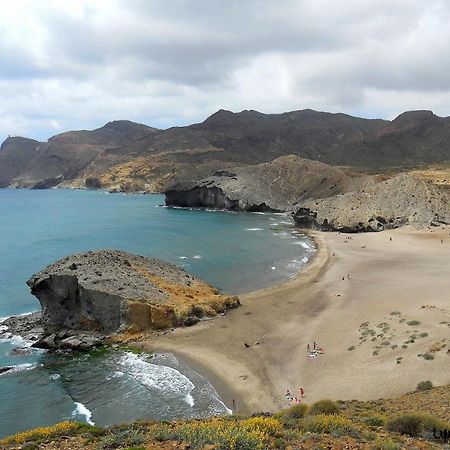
x,y
111,290
274,186
401,200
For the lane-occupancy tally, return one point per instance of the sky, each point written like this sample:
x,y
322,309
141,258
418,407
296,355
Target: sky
x,y
77,64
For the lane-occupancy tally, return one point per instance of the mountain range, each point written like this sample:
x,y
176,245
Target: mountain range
x,y
126,156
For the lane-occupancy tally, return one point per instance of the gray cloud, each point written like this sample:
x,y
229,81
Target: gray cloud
x,y
68,65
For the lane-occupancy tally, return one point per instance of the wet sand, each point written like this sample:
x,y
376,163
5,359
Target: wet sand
x,y
355,300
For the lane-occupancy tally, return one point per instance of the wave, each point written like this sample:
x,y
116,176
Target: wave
x,y
14,339
189,400
81,410
153,376
254,229
20,368
197,257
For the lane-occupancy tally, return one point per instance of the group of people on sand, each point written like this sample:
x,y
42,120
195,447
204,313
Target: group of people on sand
x,y
312,353
293,399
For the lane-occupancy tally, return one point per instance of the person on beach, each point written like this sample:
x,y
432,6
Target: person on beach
x,y
308,349
288,394
315,345
302,392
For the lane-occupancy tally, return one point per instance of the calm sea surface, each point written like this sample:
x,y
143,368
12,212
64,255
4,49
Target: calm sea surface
x,y
235,252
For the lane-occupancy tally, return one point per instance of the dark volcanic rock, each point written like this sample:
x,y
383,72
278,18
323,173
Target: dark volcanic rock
x,y
110,290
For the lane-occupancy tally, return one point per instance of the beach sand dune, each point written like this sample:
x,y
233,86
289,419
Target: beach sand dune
x,y
378,304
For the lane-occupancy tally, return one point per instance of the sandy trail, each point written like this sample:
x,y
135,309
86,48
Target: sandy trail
x,y
353,279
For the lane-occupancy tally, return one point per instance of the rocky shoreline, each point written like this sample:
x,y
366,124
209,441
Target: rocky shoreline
x,y
91,298
31,329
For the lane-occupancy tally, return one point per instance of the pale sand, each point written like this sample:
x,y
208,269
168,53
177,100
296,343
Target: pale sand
x,y
401,275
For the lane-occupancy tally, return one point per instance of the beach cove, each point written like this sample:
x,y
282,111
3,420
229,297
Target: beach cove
x,y
229,250
376,302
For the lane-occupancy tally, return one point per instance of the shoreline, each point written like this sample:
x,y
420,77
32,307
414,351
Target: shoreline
x,y
351,279
225,389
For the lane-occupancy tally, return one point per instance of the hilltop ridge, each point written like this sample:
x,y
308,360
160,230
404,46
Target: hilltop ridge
x,y
160,158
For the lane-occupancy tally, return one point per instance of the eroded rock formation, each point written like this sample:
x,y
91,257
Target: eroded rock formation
x,y
273,186
401,200
110,291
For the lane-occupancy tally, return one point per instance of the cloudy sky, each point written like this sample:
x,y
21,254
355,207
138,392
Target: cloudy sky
x,y
77,64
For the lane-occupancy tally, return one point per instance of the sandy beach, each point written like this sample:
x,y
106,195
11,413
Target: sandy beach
x,y
376,303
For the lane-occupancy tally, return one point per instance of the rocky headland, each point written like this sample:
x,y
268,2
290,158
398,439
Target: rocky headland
x,y
87,297
401,200
323,197
273,186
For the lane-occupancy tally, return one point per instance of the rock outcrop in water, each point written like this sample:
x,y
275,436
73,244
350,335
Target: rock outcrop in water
x,y
273,186
110,290
401,200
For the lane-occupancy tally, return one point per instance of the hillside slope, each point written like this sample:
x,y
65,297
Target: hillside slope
x,y
398,201
223,140
272,186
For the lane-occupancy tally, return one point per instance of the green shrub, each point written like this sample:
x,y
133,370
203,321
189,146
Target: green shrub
x,y
413,322
119,438
375,421
352,347
295,411
425,385
428,356
412,424
324,407
332,424
385,444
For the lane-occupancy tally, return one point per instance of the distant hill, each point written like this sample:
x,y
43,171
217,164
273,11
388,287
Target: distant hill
x,y
15,154
32,164
123,155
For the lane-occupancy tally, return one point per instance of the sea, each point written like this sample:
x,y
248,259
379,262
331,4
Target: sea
x,y
236,252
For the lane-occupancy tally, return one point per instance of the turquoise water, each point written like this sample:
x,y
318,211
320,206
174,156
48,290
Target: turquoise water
x,y
235,252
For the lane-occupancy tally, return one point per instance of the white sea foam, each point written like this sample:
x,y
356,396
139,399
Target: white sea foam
x,y
153,376
197,256
16,340
305,245
304,260
55,376
81,410
254,229
189,400
21,367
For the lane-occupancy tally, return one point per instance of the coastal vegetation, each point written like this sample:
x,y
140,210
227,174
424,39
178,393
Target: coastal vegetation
x,y
326,424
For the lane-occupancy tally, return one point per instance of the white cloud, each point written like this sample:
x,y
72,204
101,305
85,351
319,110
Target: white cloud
x,y
68,65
